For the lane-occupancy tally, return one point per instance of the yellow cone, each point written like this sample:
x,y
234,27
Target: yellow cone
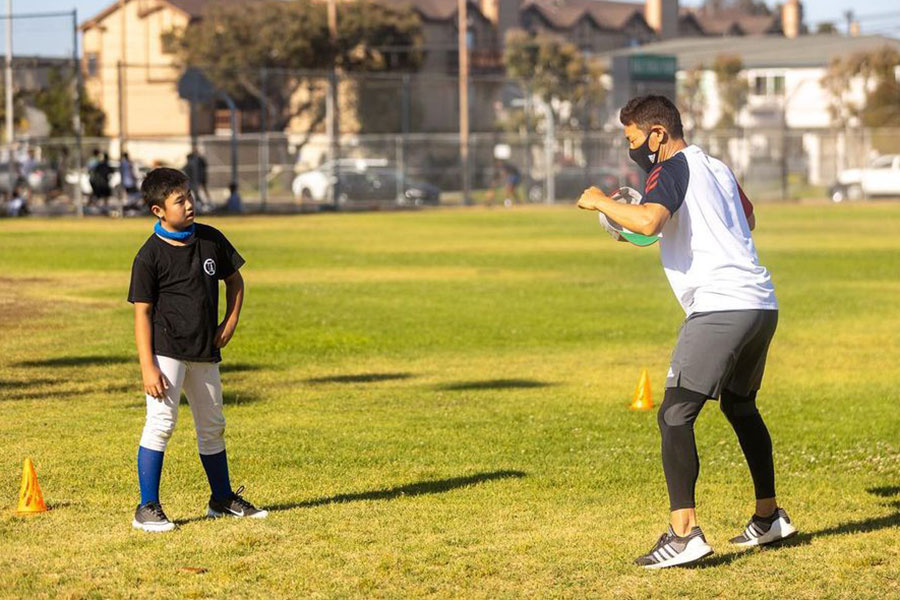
x,y
643,397
31,501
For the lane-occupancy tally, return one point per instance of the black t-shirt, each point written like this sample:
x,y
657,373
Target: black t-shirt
x,y
182,283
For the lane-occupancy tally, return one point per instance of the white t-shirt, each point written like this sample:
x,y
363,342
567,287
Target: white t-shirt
x,y
706,248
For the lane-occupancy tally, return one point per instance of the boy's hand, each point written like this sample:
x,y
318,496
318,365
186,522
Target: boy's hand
x,y
155,383
591,199
224,334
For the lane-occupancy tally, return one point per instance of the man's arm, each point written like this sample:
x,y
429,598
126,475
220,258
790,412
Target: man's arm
x,y
646,219
234,294
155,383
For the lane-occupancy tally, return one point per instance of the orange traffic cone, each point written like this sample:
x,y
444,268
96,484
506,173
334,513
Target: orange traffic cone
x,y
643,398
31,501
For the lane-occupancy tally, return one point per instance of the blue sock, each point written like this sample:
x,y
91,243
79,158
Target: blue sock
x,y
149,471
216,467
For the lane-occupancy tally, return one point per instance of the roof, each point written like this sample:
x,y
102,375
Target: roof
x,y
192,8
722,22
565,13
760,51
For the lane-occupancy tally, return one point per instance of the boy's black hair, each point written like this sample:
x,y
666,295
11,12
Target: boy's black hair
x,y
159,185
647,111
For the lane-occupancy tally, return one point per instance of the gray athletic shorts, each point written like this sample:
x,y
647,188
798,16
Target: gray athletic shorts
x,y
722,351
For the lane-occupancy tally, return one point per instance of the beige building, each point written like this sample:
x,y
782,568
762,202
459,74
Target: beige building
x,y
128,72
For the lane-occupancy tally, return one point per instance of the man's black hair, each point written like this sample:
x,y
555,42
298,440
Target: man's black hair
x,y
647,111
159,185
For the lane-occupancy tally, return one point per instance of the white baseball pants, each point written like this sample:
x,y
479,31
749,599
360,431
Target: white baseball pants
x,y
203,388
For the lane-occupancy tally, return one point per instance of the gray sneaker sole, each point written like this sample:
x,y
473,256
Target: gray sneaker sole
x,y
153,527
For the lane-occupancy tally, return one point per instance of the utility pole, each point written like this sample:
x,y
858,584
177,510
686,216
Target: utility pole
x,y
123,81
463,43
79,200
10,121
331,107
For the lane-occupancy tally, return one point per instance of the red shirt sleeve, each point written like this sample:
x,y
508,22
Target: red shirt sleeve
x,y
748,206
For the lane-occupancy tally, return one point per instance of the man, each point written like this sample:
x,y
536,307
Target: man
x,y
710,260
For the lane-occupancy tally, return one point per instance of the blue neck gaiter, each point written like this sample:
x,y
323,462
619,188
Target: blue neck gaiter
x,y
179,236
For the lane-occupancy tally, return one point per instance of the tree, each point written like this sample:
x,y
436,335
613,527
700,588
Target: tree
x,y
555,71
826,27
57,102
732,88
233,43
691,97
876,68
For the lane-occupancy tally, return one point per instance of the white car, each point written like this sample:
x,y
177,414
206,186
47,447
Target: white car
x,y
313,185
881,178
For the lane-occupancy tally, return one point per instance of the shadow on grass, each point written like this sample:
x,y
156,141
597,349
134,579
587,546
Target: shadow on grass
x,y
493,384
75,361
804,538
238,367
236,398
12,385
420,488
359,378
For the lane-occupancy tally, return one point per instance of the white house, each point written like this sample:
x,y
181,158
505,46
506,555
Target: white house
x,y
784,76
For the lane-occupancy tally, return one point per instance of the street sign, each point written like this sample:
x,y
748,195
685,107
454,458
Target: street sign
x,y
194,86
652,67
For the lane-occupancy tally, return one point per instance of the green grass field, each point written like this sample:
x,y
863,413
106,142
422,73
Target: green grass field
x,y
434,404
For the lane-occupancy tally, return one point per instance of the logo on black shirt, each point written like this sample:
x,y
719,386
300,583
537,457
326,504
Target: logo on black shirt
x,y
209,266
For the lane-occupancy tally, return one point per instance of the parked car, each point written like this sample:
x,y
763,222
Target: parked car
x,y
371,180
41,180
881,178
313,185
569,183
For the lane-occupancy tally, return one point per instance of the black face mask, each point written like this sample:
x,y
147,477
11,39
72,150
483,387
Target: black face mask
x,y
643,157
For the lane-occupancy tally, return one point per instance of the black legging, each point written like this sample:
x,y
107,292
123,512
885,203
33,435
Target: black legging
x,y
681,464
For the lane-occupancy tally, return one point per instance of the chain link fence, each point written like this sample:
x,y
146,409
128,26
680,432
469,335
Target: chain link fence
x,y
398,145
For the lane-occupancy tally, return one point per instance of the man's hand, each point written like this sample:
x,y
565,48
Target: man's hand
x,y
591,199
155,383
224,333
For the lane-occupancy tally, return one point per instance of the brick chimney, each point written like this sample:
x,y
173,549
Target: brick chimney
x,y
662,15
791,18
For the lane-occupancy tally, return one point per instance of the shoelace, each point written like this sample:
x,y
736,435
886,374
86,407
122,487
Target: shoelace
x,y
156,509
244,504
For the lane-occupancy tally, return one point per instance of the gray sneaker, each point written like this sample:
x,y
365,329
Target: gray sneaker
x,y
671,550
761,531
150,517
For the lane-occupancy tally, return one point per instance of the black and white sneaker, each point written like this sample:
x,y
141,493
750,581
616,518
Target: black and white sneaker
x,y
150,517
671,550
235,506
761,531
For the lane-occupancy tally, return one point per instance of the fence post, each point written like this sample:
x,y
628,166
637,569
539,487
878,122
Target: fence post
x,y
264,140
404,127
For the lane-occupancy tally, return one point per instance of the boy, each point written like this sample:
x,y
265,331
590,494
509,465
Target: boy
x,y
711,263
175,292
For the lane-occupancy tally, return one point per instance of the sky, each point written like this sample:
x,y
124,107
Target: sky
x,y
53,35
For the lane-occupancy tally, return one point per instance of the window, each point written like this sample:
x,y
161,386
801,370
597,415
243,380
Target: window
x,y
778,85
93,64
759,87
768,85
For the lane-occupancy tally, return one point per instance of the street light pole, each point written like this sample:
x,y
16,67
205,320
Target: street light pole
x,y
331,108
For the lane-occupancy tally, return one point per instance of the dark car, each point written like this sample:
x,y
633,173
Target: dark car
x,y
383,185
570,182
